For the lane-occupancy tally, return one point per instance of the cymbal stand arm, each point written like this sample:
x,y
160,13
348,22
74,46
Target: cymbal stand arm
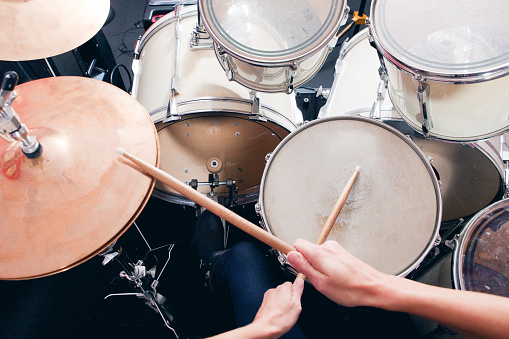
x,y
11,127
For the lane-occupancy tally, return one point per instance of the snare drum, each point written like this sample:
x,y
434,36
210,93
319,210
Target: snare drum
x,y
480,261
272,46
392,215
447,65
471,175
217,128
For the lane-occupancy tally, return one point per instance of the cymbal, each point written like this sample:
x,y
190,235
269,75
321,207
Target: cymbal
x,y
39,29
69,204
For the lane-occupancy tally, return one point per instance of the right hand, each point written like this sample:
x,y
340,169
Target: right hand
x,y
337,274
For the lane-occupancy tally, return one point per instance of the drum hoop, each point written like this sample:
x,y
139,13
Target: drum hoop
x,y
462,239
353,41
277,58
197,102
419,153
475,77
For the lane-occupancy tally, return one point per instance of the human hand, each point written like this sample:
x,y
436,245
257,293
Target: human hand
x,y
337,274
280,308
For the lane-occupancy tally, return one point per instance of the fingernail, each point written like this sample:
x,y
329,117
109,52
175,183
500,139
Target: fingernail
x,y
299,282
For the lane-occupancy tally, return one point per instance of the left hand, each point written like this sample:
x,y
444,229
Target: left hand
x,y
280,308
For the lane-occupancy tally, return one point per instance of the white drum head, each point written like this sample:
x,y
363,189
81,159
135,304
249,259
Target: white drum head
x,y
271,32
446,38
392,215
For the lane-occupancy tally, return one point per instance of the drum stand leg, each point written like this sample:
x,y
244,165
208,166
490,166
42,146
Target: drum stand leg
x,y
143,282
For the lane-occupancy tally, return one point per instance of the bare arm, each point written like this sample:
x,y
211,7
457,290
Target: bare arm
x,y
278,313
351,282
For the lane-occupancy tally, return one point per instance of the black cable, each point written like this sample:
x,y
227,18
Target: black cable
x,y
128,74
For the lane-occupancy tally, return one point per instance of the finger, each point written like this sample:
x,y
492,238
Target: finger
x,y
297,289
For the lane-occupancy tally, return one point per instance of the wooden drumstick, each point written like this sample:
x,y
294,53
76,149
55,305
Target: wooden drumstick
x,y
209,204
334,213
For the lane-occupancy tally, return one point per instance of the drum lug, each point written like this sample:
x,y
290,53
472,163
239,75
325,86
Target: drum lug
x,y
258,210
438,240
267,157
423,97
289,82
256,108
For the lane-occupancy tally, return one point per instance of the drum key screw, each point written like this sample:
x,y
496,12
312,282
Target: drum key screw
x,y
186,170
188,124
241,181
236,124
237,134
186,182
187,134
239,170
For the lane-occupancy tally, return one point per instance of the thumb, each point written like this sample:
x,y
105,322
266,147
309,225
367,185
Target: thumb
x,y
301,264
297,288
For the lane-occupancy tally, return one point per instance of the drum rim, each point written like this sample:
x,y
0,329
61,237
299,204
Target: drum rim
x,y
279,59
462,238
413,69
435,235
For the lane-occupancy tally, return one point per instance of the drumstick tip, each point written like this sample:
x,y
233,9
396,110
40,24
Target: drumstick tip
x,y
357,169
120,151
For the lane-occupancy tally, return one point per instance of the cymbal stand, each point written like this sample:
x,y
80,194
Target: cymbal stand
x,y
139,277
11,128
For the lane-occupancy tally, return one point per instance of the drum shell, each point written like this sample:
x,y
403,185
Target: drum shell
x,y
274,78
199,73
459,112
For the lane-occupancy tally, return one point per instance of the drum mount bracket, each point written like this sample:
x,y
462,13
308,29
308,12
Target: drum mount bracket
x,y
11,128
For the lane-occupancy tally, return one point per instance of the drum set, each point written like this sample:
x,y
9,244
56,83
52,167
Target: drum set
x,y
420,101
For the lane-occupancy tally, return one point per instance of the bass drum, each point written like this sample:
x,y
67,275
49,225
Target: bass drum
x,y
392,215
471,175
479,262
213,126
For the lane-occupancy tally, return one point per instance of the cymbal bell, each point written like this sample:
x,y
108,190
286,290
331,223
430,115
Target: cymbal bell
x,y
69,204
39,29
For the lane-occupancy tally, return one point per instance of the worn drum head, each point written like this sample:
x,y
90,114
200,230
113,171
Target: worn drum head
x,y
482,255
392,215
271,32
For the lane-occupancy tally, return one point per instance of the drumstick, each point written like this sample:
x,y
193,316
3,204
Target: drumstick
x,y
209,204
334,213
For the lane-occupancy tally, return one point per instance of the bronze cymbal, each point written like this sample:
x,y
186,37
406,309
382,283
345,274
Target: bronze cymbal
x,y
36,29
69,204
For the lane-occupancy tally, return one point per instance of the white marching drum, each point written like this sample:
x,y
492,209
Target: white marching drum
x,y
448,66
392,215
272,46
471,175
206,124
